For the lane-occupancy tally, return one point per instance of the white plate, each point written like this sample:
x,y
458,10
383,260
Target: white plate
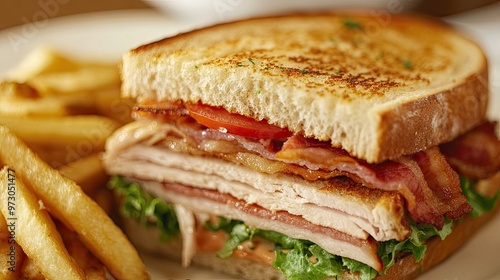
x,y
108,35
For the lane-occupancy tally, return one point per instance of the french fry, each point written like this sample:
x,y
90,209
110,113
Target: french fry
x,y
85,78
110,104
4,233
46,250
12,90
33,107
87,172
56,156
86,134
42,60
92,267
69,204
11,254
105,198
53,73
8,272
30,271
19,99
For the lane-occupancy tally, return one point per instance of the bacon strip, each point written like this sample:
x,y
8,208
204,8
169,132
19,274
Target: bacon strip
x,y
475,154
429,185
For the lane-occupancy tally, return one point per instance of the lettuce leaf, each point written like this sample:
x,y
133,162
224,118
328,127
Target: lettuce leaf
x,y
144,208
421,232
415,244
302,259
366,272
296,259
480,204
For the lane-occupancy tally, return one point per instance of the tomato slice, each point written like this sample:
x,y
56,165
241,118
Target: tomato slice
x,y
220,119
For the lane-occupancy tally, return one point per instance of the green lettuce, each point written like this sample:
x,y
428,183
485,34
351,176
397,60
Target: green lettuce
x,y
480,204
144,208
302,259
421,232
415,244
295,258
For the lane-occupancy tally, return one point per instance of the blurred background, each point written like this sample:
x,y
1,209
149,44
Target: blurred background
x,y
17,12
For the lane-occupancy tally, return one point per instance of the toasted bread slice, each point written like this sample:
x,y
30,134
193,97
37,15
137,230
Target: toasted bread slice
x,y
147,240
377,86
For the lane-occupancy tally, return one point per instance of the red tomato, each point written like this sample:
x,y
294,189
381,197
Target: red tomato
x,y
220,119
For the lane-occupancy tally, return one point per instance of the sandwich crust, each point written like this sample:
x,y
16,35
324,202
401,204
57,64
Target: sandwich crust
x,y
377,88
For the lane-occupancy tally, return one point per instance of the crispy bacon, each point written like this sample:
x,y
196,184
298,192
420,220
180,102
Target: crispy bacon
x,y
429,185
475,154
159,110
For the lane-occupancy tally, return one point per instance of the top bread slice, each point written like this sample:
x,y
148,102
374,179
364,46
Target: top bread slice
x,y
378,85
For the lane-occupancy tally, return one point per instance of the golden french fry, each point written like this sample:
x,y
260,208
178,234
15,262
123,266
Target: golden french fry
x,y
19,99
56,156
30,271
85,78
69,204
85,134
51,72
104,197
4,233
87,172
13,90
11,254
33,107
41,61
47,106
11,257
47,248
92,267
110,104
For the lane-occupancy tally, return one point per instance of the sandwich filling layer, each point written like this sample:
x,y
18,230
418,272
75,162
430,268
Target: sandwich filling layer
x,y
430,187
294,186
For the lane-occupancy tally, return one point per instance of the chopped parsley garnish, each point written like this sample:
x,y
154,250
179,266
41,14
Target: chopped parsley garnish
x,y
251,61
407,63
352,24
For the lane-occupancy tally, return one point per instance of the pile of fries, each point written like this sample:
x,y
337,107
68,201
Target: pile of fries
x,y
55,116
